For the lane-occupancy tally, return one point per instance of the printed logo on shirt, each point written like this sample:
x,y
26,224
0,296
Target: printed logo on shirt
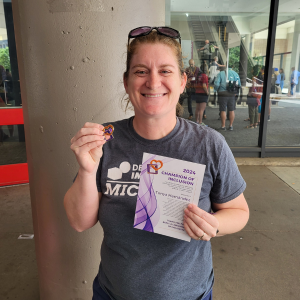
x,y
115,186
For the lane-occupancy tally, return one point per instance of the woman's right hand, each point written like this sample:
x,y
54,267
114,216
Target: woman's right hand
x,y
87,146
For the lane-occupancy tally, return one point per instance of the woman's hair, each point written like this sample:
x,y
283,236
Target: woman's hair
x,y
152,38
179,110
281,70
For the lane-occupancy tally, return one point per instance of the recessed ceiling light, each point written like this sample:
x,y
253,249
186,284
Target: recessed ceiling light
x,y
187,15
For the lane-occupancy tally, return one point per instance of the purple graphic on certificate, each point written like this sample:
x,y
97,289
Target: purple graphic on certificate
x,y
146,214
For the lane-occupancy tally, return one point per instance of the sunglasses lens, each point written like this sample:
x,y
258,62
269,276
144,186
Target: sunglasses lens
x,y
169,32
139,31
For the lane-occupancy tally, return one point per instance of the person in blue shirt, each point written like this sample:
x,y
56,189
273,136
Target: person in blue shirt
x,y
226,100
234,77
278,78
294,80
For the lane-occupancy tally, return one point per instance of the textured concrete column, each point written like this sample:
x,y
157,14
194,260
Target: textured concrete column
x,y
243,65
71,57
296,46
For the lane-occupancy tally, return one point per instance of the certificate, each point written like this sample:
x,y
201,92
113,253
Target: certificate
x,y
167,186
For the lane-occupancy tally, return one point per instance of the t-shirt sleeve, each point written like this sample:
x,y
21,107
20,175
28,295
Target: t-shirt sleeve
x,y
229,182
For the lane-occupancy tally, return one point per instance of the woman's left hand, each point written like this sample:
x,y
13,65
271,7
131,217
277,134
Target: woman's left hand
x,y
199,224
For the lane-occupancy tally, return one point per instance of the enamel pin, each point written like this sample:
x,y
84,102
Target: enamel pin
x,y
108,132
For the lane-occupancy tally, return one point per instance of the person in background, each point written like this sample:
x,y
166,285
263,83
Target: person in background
x,y
138,264
215,63
206,51
226,100
192,74
214,70
282,78
277,81
253,99
234,77
201,96
260,83
294,81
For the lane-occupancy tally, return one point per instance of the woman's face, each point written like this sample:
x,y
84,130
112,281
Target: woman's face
x,y
154,81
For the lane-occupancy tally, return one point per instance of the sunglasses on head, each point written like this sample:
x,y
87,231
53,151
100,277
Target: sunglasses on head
x,y
145,30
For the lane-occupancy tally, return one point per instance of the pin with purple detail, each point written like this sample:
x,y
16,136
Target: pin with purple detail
x,y
108,132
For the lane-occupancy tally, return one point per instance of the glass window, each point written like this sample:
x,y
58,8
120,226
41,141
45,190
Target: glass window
x,y
12,139
9,76
224,48
284,108
12,145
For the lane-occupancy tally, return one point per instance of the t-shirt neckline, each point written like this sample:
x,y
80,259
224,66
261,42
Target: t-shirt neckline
x,y
147,142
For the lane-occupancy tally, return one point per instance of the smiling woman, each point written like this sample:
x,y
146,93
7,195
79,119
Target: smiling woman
x,y
136,264
154,83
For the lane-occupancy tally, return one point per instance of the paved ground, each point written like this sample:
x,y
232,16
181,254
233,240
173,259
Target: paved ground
x,y
260,262
283,129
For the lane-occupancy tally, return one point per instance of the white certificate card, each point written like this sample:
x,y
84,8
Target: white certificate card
x,y
167,186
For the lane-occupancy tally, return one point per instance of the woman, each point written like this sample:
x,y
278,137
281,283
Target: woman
x,y
136,264
253,99
201,96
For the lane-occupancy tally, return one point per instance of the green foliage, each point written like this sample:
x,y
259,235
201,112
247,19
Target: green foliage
x,y
4,58
234,58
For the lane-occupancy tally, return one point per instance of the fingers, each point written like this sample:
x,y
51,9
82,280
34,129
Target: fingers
x,y
89,139
87,147
192,230
86,139
198,222
88,129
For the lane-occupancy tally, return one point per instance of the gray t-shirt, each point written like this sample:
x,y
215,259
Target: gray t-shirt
x,y
206,49
137,264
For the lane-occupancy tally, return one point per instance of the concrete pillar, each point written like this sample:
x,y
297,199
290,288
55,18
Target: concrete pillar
x,y
296,45
247,41
71,57
295,57
243,64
